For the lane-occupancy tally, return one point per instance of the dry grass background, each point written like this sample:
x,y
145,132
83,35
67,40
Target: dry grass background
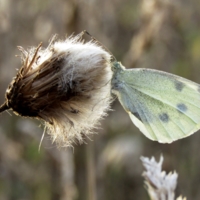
x,y
160,34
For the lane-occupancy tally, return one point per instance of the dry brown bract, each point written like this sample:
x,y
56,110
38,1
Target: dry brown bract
x,y
67,85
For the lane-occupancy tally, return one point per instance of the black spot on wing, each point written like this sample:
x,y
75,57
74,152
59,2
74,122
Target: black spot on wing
x,y
143,115
179,85
136,114
181,107
164,117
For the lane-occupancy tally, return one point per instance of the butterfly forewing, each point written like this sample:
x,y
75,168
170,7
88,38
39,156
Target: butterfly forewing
x,y
163,106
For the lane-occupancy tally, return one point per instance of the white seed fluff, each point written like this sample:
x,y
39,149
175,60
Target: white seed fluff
x,y
67,85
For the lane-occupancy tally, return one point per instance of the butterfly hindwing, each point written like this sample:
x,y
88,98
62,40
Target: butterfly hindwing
x,y
163,106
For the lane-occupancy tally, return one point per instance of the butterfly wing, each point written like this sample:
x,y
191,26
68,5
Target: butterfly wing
x,y
163,106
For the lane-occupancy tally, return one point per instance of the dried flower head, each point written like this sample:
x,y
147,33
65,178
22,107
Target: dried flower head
x,y
67,85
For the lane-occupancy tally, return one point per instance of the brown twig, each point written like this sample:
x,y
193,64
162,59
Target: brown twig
x,y
3,107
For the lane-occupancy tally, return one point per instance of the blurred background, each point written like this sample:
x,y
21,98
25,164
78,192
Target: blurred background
x,y
159,34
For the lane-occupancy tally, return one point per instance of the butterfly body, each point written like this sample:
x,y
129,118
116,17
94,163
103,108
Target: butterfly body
x,y
163,106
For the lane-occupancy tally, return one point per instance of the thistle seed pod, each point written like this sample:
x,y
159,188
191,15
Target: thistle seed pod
x,y
67,85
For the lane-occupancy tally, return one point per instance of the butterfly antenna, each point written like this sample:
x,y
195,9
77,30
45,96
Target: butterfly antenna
x,y
93,38
3,107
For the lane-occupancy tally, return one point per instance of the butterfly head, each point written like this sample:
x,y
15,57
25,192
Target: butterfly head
x,y
117,66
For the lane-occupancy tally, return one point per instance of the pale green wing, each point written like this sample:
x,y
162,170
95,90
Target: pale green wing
x,y
163,106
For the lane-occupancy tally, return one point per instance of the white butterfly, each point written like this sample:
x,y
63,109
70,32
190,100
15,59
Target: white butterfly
x,y
163,106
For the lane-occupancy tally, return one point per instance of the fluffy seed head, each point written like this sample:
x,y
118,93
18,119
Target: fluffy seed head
x,y
67,85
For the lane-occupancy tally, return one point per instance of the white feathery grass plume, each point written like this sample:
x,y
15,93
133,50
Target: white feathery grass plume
x,y
67,85
160,186
181,198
